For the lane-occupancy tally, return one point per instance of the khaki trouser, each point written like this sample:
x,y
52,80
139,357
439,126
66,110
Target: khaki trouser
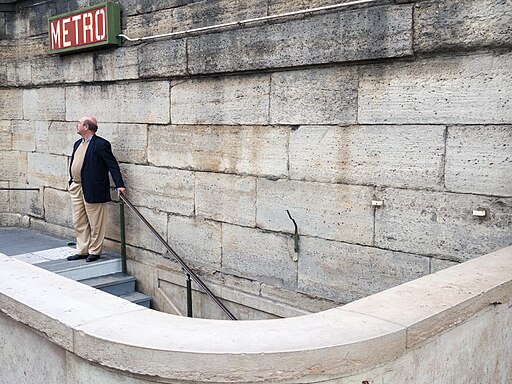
x,y
89,222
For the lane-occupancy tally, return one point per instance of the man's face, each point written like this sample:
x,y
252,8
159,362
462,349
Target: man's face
x,y
80,127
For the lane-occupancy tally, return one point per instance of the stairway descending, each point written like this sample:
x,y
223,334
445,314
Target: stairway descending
x,y
104,274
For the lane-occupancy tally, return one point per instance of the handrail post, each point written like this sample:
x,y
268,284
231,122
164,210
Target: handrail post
x,y
189,296
123,236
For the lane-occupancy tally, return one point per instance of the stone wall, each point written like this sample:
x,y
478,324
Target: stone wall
x,y
221,133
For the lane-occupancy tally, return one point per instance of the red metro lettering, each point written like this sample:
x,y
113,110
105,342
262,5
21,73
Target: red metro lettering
x,y
79,29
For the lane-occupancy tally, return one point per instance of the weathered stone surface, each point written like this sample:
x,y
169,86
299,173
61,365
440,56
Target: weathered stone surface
x,y
26,202
148,24
446,90
4,198
121,64
134,7
251,251
361,34
129,141
169,190
11,104
277,7
23,135
45,170
345,272
10,219
57,207
478,160
337,212
146,102
78,68
226,198
401,156
44,104
227,100
441,224
28,48
163,58
437,265
56,137
19,73
5,135
137,233
440,25
247,149
297,98
199,14
196,240
13,166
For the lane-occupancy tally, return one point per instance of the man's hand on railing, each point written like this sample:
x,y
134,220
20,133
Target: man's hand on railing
x,y
120,191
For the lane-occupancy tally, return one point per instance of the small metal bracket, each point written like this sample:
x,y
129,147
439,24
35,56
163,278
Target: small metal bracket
x,y
377,203
295,236
481,213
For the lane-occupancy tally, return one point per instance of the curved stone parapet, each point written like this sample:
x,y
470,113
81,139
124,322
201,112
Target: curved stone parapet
x,y
108,333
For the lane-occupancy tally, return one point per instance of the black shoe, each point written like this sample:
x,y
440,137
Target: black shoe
x,y
92,258
77,257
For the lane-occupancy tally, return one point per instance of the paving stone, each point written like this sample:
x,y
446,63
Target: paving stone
x,y
121,64
251,251
45,170
297,98
441,224
163,58
146,102
227,198
346,272
227,100
11,104
442,90
478,160
195,240
361,34
228,149
337,212
44,104
472,24
164,189
402,156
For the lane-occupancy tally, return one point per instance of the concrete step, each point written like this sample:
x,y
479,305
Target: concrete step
x,y
116,284
138,298
108,264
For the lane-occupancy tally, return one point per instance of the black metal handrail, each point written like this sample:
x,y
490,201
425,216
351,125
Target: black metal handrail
x,y
18,189
183,265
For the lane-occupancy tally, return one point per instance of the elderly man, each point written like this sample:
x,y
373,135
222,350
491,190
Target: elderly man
x,y
89,187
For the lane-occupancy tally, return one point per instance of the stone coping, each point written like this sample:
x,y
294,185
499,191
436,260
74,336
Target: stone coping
x,y
114,333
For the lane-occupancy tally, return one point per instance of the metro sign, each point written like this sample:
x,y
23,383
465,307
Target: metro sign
x,y
87,28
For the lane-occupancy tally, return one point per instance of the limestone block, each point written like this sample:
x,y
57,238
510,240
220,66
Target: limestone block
x,y
5,135
360,34
23,135
56,137
437,265
4,197
54,229
134,7
152,23
336,212
13,166
478,160
441,224
206,13
143,102
263,256
297,98
169,190
462,25
10,219
120,64
45,170
163,58
26,202
57,207
34,46
46,70
44,104
196,240
129,141
19,73
3,74
146,276
229,149
226,198
78,68
137,233
11,104
401,156
20,355
227,100
346,272
446,90
277,7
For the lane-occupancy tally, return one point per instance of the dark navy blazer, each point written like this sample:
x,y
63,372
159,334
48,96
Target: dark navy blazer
x,y
98,162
